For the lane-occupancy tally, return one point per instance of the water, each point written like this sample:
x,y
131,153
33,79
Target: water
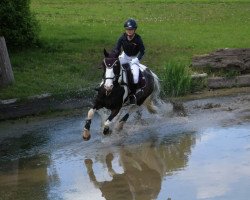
x,y
204,155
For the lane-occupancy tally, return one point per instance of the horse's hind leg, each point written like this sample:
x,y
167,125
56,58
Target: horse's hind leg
x,y
150,105
86,133
122,121
132,108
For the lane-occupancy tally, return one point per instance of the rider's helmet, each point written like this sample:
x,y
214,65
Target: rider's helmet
x,y
130,24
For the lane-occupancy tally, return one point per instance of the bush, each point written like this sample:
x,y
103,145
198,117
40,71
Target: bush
x,y
176,80
17,24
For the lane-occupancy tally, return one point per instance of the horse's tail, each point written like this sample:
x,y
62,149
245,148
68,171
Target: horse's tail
x,y
157,88
155,95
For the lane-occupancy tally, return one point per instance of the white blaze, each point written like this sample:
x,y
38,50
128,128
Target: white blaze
x,y
109,75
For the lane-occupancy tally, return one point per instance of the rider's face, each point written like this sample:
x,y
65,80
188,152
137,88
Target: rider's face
x,y
130,32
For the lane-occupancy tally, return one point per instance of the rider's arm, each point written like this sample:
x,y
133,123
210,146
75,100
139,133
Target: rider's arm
x,y
118,45
142,49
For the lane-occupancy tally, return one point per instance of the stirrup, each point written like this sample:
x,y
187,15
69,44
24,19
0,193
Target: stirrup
x,y
132,99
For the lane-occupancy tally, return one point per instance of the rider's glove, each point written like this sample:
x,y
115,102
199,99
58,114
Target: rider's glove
x,y
135,61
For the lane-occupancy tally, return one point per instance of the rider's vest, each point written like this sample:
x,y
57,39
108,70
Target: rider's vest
x,y
133,47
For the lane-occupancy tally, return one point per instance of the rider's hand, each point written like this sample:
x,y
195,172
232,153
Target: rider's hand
x,y
135,61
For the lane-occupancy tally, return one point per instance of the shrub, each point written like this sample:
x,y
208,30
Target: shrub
x,y
176,80
17,24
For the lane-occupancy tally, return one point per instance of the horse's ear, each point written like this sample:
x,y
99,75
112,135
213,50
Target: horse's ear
x,y
115,53
106,54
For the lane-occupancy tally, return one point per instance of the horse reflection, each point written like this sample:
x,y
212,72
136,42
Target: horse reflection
x,y
144,169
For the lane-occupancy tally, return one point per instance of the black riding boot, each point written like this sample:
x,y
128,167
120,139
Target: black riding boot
x,y
132,97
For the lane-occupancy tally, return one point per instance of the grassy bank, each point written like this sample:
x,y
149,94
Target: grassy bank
x,y
74,33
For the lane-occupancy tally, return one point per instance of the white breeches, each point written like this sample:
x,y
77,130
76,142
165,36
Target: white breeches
x,y
123,58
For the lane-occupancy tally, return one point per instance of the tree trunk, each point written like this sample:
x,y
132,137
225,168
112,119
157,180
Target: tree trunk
x,y
6,73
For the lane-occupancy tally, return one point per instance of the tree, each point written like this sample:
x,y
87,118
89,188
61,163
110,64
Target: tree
x,y
17,24
6,73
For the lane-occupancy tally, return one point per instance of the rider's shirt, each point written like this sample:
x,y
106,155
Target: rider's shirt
x,y
134,47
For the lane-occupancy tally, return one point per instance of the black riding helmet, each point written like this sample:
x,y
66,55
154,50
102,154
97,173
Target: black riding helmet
x,y
130,24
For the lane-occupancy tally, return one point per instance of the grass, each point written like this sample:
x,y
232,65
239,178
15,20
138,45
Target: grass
x,y
176,80
74,33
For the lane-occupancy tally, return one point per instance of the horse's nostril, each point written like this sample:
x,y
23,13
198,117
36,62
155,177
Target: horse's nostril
x,y
108,88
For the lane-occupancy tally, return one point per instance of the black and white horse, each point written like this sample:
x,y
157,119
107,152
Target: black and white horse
x,y
114,91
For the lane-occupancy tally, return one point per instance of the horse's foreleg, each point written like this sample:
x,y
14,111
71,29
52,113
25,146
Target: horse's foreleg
x,y
106,129
109,159
86,132
90,171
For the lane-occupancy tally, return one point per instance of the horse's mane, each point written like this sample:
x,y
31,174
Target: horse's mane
x,y
113,54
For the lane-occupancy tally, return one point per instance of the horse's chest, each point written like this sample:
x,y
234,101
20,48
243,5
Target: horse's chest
x,y
112,102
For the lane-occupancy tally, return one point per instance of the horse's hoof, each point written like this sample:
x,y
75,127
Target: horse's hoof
x,y
106,131
86,134
88,162
86,138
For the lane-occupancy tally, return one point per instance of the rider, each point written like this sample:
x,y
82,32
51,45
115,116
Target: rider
x,y
133,51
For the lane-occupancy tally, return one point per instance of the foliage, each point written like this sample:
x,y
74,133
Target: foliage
x,y
198,84
17,24
176,79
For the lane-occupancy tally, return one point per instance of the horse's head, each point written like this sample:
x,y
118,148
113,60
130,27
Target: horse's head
x,y
112,67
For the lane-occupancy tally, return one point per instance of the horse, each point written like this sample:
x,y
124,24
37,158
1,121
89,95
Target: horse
x,y
114,91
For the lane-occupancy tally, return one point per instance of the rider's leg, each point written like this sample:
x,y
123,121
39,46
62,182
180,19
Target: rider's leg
x,y
135,72
123,58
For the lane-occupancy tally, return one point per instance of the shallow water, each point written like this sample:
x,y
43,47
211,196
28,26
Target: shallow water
x,y
204,155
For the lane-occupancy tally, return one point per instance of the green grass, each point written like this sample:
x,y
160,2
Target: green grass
x,y
74,33
176,80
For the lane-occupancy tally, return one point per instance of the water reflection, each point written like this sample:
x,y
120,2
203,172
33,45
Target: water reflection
x,y
48,160
25,155
143,168
24,178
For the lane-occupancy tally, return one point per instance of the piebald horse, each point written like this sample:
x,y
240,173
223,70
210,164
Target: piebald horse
x,y
114,92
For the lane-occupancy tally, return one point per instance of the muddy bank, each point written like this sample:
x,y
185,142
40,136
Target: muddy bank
x,y
16,108
46,103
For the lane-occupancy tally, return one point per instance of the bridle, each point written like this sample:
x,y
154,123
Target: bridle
x,y
111,66
118,77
